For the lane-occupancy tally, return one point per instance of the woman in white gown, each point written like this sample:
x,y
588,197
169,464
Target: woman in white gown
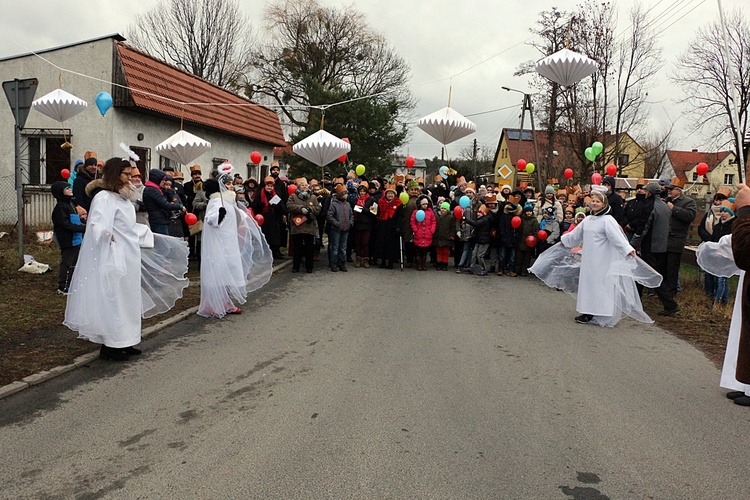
x,y
121,259
596,263
235,258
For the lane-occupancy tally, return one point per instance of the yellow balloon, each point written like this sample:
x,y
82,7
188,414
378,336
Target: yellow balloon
x,y
360,169
404,198
530,168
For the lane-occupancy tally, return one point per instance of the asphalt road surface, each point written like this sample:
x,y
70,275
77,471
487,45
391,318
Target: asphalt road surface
x,y
382,384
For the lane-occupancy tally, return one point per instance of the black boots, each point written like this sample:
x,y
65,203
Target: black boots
x,y
113,353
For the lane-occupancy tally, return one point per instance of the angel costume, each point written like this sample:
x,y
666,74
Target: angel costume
x,y
593,262
235,258
717,259
120,261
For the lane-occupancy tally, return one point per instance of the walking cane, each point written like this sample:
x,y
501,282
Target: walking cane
x,y
401,250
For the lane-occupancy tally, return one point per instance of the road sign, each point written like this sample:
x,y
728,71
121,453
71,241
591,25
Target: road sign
x,y
20,93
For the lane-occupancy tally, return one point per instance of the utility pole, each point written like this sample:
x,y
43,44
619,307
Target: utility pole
x,y
527,106
474,159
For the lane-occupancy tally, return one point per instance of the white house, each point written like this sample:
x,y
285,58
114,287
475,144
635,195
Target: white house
x,y
152,101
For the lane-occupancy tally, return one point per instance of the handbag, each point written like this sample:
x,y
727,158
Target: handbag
x,y
196,228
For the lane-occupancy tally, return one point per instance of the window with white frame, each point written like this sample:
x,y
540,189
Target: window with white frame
x,y
729,179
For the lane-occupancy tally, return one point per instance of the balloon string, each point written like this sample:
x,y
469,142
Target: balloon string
x,y
322,118
450,91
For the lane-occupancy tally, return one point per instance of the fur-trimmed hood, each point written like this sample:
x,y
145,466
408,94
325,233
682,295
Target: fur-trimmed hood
x,y
94,185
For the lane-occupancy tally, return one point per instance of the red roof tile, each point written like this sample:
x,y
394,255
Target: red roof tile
x,y
684,161
157,78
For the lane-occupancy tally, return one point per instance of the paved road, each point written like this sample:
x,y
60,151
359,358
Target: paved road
x,y
382,384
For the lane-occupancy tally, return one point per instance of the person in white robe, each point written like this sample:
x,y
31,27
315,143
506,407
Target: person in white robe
x,y
235,257
120,260
596,263
716,258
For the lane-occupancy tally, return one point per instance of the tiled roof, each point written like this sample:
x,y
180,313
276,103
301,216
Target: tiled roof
x,y
684,161
157,78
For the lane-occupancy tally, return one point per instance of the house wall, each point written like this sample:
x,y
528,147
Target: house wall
x,y
715,179
503,159
636,164
101,134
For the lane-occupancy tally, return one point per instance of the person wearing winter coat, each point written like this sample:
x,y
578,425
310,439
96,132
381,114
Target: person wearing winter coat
x,y
68,224
549,224
711,218
524,252
614,200
409,208
87,172
466,230
637,210
423,230
157,205
508,237
546,201
388,233
340,220
445,234
683,211
723,228
303,209
272,207
481,241
365,217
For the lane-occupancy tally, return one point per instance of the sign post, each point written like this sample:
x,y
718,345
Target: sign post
x,y
20,94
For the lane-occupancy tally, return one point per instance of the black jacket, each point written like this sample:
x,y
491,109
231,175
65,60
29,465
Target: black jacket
x,y
66,222
155,202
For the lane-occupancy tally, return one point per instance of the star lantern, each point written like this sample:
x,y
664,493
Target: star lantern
x,y
183,147
566,67
321,148
446,125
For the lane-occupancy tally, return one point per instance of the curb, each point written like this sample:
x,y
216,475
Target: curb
x,y
84,359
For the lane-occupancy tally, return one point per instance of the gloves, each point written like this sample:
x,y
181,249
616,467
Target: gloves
x,y
305,210
222,214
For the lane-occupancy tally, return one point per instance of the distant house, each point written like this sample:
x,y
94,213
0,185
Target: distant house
x,y
418,171
515,144
722,171
152,101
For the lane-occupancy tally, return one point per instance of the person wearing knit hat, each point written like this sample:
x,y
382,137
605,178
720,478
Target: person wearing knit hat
x,y
717,287
524,251
445,234
340,220
481,243
548,200
551,226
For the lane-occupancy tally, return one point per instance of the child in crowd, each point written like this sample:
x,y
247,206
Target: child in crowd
x,y
68,223
445,234
524,251
481,240
509,237
423,230
550,224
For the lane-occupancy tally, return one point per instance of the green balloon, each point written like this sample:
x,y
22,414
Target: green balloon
x,y
403,197
597,148
589,154
360,169
530,168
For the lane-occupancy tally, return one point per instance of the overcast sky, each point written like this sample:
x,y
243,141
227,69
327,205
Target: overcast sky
x,y
439,38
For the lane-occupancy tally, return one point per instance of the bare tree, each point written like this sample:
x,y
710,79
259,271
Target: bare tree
x,y
310,51
209,38
702,72
656,145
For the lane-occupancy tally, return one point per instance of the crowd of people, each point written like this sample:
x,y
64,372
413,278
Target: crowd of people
x,y
398,222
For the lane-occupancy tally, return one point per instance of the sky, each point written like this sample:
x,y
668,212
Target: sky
x,y
468,51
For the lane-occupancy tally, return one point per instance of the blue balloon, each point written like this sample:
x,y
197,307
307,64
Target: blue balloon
x,y
464,201
443,170
103,102
420,215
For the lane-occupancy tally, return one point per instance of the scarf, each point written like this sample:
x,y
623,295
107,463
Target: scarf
x,y
386,209
361,199
264,200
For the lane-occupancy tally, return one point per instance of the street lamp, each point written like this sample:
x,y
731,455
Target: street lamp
x,y
527,105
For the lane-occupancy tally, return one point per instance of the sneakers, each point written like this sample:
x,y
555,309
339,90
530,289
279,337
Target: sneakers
x,y
669,312
584,318
460,270
62,291
512,274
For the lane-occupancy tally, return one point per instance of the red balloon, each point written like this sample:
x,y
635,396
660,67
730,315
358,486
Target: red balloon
x,y
531,241
65,173
568,173
190,219
342,159
521,164
515,222
611,169
259,219
542,234
255,157
596,178
409,162
701,169
291,189
458,212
